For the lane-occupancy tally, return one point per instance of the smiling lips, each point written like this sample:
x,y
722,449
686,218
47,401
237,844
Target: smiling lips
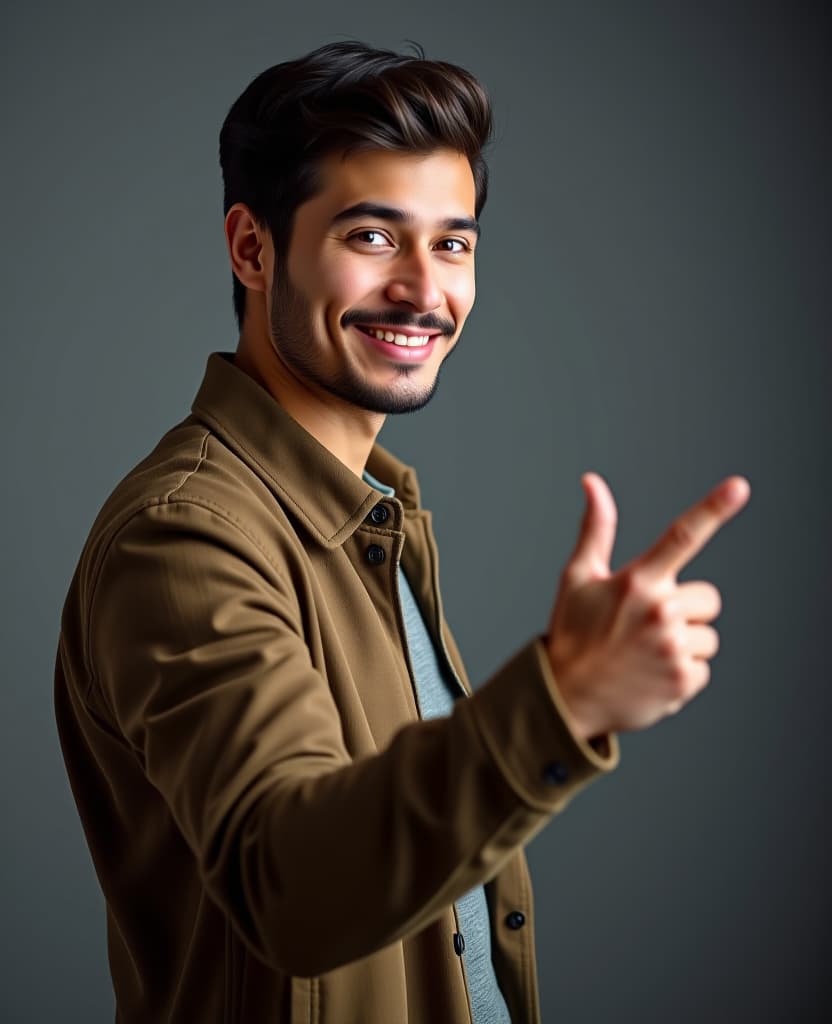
x,y
398,345
397,337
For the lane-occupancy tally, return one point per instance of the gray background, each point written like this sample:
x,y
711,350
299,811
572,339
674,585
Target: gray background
x,y
653,304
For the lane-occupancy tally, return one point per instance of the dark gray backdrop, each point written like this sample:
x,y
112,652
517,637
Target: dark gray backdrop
x,y
653,303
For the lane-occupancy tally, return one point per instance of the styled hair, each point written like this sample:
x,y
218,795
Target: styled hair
x,y
342,97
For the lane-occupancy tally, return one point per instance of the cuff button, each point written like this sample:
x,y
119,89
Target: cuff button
x,y
516,919
556,773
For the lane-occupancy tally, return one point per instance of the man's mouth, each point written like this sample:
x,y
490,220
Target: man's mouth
x,y
402,345
398,337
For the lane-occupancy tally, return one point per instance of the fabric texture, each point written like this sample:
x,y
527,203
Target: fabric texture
x,y
436,689
278,835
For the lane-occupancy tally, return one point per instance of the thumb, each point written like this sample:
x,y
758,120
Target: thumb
x,y
593,551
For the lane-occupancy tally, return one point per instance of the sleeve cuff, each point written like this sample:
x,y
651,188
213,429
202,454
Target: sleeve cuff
x,y
527,728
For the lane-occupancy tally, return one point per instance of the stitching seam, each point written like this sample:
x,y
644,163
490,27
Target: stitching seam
x,y
190,473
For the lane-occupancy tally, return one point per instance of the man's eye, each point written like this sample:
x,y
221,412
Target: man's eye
x,y
454,245
370,237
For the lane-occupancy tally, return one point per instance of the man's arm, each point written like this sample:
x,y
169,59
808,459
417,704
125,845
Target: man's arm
x,y
198,655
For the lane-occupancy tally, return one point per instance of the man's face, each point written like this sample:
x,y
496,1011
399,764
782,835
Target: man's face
x,y
385,248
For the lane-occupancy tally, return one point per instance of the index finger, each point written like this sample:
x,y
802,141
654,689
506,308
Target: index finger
x,y
692,530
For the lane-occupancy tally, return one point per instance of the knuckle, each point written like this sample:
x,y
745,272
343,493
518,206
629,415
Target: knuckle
x,y
661,612
685,681
568,576
669,647
633,586
681,533
704,675
576,572
678,681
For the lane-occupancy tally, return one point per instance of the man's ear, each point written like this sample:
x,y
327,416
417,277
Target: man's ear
x,y
249,248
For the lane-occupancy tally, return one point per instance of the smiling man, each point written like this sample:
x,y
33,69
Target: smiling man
x,y
372,295
297,807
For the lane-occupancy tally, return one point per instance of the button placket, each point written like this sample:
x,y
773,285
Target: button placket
x,y
379,514
376,554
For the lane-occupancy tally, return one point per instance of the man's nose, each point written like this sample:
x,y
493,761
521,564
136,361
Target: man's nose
x,y
413,281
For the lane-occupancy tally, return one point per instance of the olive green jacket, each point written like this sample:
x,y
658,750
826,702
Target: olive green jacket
x,y
278,836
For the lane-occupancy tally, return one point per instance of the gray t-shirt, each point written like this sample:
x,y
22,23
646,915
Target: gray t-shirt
x,y
436,690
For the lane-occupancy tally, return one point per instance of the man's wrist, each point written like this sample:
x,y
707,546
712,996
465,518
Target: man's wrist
x,y
594,742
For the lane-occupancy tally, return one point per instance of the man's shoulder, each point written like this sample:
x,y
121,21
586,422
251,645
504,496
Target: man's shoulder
x,y
192,468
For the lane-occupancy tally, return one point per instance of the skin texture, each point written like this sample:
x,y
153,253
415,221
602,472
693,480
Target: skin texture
x,y
626,648
417,274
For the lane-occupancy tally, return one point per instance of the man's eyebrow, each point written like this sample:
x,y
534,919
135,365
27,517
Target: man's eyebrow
x,y
393,213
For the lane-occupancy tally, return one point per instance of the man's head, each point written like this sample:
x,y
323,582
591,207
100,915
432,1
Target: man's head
x,y
363,172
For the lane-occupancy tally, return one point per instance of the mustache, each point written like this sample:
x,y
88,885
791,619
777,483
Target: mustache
x,y
398,318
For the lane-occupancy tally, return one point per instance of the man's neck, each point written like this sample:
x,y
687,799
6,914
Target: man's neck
x,y
343,429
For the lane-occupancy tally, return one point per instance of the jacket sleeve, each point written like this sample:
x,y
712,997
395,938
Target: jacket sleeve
x,y
196,648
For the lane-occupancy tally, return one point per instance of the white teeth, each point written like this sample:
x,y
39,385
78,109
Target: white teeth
x,y
400,339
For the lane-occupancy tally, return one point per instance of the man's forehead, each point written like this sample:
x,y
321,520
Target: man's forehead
x,y
438,184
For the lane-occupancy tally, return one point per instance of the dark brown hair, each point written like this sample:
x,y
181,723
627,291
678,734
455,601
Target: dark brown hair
x,y
342,97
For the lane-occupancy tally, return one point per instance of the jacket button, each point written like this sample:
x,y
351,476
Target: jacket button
x,y
556,773
516,919
459,943
375,554
379,514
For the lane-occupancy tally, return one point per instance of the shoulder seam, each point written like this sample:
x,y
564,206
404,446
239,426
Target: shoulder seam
x,y
224,513
202,454
157,503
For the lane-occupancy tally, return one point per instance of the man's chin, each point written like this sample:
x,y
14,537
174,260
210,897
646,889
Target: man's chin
x,y
389,401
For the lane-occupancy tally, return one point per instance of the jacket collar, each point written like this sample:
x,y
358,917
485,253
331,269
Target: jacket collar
x,y
314,484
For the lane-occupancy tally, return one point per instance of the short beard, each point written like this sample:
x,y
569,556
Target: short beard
x,y
359,393
289,321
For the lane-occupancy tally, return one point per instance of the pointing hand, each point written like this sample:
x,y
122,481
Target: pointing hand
x,y
631,647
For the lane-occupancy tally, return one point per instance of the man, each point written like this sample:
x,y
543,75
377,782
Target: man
x,y
297,807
